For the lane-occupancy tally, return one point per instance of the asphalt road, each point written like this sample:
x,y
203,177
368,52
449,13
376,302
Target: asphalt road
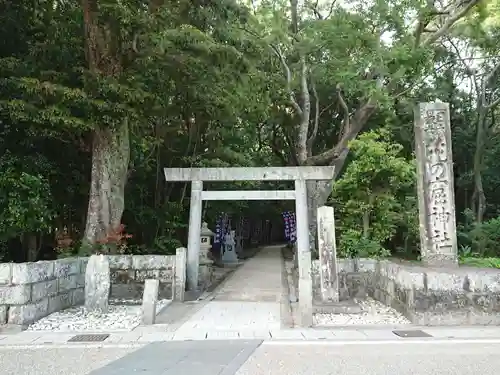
x,y
453,358
376,359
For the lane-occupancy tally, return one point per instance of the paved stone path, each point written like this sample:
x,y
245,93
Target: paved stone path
x,y
249,300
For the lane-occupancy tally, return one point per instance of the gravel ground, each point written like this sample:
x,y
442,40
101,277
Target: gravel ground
x,y
374,313
119,317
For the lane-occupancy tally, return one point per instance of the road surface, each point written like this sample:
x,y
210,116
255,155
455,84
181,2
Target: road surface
x,y
437,357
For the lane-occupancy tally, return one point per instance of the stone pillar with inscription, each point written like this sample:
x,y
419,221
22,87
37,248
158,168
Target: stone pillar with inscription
x,y
436,197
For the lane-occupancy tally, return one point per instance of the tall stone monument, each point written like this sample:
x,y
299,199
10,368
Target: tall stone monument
x,y
327,255
436,196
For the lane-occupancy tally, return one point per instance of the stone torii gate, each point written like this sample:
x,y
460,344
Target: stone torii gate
x,y
298,174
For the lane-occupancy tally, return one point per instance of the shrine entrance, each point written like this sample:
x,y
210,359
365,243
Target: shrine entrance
x,y
297,174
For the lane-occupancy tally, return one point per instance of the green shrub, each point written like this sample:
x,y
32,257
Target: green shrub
x,y
482,239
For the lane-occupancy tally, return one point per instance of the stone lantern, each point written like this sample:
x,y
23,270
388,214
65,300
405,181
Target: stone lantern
x,y
206,235
205,275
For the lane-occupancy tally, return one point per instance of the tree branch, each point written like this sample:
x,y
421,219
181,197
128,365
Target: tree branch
x,y
288,75
346,122
493,104
455,15
312,138
303,125
356,124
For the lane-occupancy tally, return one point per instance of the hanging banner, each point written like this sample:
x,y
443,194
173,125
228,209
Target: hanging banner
x,y
246,228
286,222
226,224
218,229
293,228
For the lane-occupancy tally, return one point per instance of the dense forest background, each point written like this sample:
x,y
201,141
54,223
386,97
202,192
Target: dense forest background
x,y
98,96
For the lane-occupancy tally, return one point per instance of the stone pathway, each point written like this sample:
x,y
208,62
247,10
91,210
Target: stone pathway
x,y
249,300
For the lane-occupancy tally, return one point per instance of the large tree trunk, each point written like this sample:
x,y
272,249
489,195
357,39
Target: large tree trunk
x,y
31,246
111,143
318,193
110,159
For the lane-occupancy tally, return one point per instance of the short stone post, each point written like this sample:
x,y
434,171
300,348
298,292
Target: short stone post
x,y
327,255
149,300
179,282
97,283
436,197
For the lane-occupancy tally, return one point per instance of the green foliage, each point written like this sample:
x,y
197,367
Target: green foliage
x,y
371,194
199,85
25,199
353,244
481,262
481,240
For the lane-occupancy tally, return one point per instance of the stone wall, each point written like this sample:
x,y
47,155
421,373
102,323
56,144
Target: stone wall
x,y
426,296
355,276
128,273
30,291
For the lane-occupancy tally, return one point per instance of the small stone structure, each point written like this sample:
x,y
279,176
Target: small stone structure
x,y
97,283
149,300
128,273
426,296
31,291
229,249
205,266
205,244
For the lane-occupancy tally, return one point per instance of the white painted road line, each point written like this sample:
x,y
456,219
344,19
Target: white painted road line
x,y
71,346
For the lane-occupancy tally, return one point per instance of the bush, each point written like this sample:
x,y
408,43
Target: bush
x,y
481,240
353,244
372,197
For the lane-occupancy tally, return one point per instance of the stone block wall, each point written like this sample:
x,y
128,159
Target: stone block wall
x,y
128,273
355,278
427,296
30,291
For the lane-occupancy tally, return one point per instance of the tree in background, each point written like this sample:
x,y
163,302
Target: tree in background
x,y
371,195
100,96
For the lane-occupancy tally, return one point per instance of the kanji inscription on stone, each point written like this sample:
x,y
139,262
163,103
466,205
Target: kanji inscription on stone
x,y
435,184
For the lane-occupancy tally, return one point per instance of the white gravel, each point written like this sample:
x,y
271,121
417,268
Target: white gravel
x,y
118,317
374,313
